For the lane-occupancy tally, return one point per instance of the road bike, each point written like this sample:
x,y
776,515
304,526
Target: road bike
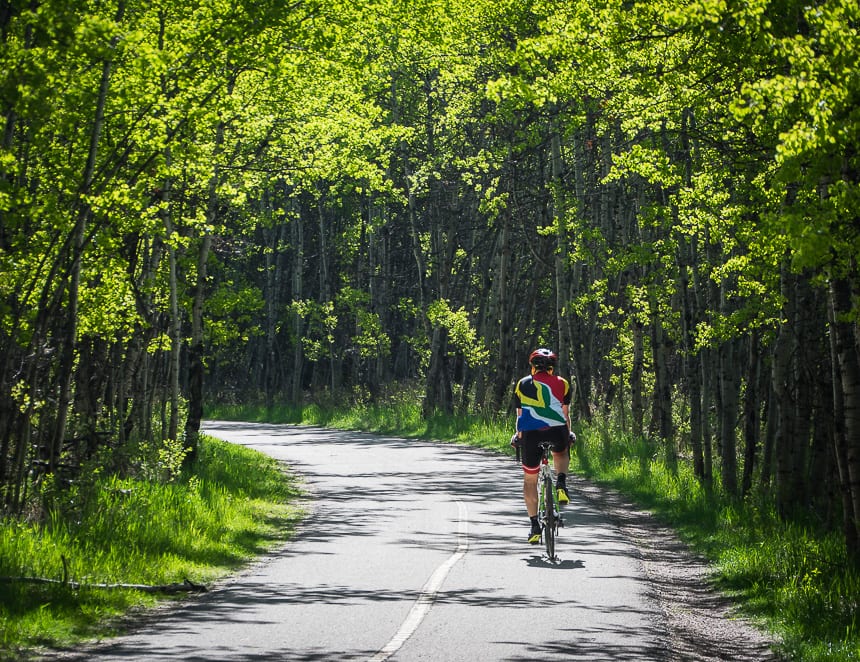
x,y
549,514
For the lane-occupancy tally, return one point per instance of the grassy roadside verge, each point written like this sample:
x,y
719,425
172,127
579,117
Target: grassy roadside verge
x,y
791,577
232,505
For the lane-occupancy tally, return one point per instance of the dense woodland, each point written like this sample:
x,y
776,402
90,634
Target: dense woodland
x,y
236,200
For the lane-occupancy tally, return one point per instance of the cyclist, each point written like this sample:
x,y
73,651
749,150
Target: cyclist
x,y
542,400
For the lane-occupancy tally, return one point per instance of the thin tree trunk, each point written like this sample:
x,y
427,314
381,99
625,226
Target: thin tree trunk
x,y
504,311
662,402
692,373
195,350
562,284
844,343
637,399
67,358
770,430
728,418
196,368
297,239
751,414
784,450
274,276
175,321
325,286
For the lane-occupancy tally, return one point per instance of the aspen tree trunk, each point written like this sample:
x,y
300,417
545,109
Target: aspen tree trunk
x,y
707,369
297,239
69,351
195,350
784,454
751,413
10,417
361,275
504,310
417,250
691,368
662,403
196,369
793,393
378,259
703,294
417,253
175,331
20,482
770,430
728,418
805,348
442,241
439,383
270,235
846,383
7,409
564,284
637,400
661,350
143,382
561,250
175,321
325,284
583,330
691,359
274,276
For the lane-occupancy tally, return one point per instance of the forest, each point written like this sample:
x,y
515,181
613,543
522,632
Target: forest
x,y
272,201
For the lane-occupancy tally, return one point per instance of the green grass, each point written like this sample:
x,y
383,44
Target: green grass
x,y
233,505
792,579
400,415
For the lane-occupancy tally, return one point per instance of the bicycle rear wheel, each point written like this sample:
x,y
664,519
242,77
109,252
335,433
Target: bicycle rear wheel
x,y
550,517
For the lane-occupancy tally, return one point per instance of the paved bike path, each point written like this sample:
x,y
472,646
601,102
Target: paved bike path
x,y
412,551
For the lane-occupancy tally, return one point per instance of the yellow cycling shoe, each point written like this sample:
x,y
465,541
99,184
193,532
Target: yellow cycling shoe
x,y
563,498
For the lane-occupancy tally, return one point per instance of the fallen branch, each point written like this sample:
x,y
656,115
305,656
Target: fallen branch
x,y
181,587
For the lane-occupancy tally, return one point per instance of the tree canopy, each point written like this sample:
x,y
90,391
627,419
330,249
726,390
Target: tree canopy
x,y
265,200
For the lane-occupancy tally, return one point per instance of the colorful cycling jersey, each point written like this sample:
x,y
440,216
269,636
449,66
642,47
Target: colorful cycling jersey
x,y
541,397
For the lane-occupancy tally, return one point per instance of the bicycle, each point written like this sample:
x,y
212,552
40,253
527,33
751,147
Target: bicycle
x,y
549,513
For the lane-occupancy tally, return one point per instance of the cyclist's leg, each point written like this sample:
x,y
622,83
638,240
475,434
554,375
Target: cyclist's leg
x,y
560,449
530,493
531,467
561,461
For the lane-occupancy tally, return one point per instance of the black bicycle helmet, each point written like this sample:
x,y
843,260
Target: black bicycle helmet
x,y
543,359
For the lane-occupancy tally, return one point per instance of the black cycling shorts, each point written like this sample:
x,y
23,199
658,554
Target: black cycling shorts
x,y
558,436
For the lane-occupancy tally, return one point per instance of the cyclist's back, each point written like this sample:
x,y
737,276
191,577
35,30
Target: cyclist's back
x,y
542,400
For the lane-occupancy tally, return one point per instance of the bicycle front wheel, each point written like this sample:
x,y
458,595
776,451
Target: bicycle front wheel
x,y
551,517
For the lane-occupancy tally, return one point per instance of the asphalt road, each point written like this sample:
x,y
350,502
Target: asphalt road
x,y
412,551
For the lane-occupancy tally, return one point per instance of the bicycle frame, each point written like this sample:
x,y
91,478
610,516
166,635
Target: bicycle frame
x,y
549,513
